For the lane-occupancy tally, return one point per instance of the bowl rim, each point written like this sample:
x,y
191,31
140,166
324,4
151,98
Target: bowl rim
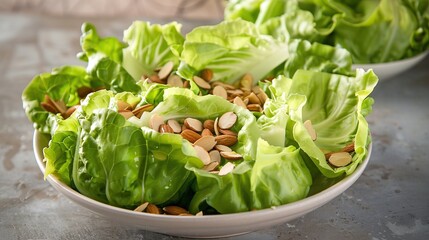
x,y
323,196
411,60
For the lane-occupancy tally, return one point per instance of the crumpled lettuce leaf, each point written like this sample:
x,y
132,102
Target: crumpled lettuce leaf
x,y
151,47
104,57
335,106
277,176
61,84
231,49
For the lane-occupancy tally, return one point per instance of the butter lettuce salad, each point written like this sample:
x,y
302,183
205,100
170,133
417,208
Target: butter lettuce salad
x,y
227,118
373,31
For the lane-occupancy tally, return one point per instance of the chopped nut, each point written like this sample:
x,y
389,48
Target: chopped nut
x,y
175,125
220,91
155,122
340,159
231,155
227,120
193,124
227,168
202,154
206,142
309,126
175,81
165,128
201,82
142,207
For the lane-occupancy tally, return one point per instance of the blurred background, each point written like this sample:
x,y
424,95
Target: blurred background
x,y
165,9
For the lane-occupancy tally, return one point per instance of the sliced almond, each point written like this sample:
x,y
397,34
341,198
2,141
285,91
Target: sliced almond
x,y
220,91
349,148
200,213
227,120
140,110
48,107
185,214
235,92
246,81
206,142
262,97
70,111
224,85
223,148
253,99
201,82
227,168
152,208
211,166
254,108
123,105
165,128
209,124
174,210
193,124
142,207
166,70
216,126
309,126
227,132
126,113
227,140
214,156
257,89
202,154
238,101
175,125
60,105
340,159
155,79
231,155
190,135
206,132
155,122
207,74
175,81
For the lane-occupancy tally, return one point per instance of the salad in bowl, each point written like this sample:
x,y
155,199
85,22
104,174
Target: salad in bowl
x,y
222,120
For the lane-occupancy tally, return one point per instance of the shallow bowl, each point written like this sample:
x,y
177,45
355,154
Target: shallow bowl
x,y
388,70
208,226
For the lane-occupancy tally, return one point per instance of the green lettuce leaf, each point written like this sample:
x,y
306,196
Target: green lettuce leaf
x,y
277,176
151,47
231,49
61,84
335,106
104,57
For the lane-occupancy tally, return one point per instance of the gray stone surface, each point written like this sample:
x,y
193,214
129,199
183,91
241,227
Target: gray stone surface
x,y
389,201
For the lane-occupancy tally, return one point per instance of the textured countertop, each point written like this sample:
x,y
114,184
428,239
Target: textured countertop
x,y
389,201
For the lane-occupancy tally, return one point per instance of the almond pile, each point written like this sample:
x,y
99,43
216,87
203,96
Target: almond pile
x,y
211,139
168,210
245,94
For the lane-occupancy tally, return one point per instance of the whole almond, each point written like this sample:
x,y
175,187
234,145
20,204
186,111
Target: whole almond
x,y
207,74
228,132
254,107
206,142
48,107
340,159
349,148
193,124
227,120
174,210
155,79
209,124
227,140
152,208
82,92
190,135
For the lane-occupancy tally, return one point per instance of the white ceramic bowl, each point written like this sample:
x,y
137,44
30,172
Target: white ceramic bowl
x,y
388,70
201,226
